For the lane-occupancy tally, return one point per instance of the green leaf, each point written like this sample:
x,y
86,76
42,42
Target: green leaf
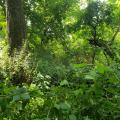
x,y
47,119
89,77
86,118
19,105
72,117
25,96
78,92
19,90
80,65
65,106
57,106
102,68
16,97
64,82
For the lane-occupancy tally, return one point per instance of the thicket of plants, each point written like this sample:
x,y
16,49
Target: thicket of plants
x,y
69,67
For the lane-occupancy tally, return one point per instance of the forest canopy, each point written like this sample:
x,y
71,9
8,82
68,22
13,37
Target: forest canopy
x,y
59,60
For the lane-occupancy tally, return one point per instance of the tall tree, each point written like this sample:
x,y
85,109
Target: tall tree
x,y
16,24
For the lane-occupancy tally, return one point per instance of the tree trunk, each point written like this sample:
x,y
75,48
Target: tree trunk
x,y
15,24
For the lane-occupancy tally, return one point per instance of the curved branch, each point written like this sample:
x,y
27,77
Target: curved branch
x,y
114,36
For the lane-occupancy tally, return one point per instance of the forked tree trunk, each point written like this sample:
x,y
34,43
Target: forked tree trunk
x,y
15,24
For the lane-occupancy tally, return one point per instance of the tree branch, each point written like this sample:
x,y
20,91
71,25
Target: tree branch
x,y
114,36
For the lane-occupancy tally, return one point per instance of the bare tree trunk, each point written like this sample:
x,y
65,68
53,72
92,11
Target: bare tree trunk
x,y
15,24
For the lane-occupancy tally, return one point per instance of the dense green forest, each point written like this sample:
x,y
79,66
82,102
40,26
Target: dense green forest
x,y
59,60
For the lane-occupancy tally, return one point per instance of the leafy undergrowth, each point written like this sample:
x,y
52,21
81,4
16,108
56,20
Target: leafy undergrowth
x,y
87,92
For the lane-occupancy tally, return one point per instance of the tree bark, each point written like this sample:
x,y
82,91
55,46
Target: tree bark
x,y
15,24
